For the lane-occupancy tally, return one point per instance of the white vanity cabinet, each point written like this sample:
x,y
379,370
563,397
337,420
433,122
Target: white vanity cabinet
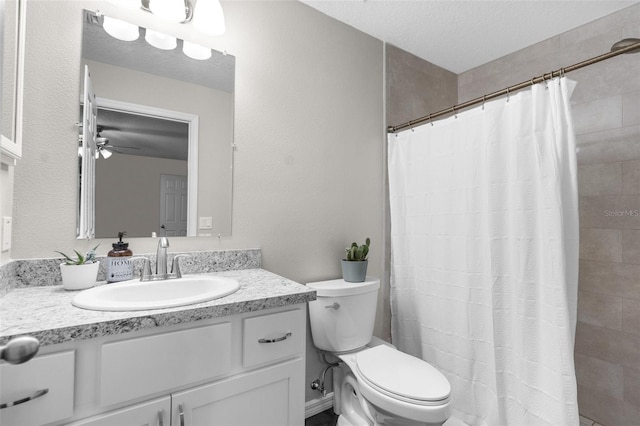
x,y
245,369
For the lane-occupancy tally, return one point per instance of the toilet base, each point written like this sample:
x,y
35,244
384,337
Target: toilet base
x,y
342,421
355,410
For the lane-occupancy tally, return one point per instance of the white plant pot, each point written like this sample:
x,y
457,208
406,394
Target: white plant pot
x,y
79,277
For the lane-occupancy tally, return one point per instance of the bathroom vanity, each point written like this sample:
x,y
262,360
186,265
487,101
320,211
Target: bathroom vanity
x,y
238,360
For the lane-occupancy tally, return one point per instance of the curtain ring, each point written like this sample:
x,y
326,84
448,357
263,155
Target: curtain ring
x,y
507,94
484,99
455,113
430,121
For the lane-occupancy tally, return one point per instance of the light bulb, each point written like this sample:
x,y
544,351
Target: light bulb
x,y
196,51
169,10
208,17
159,40
120,29
126,4
106,153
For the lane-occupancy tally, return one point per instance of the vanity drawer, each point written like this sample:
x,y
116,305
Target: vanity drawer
x,y
273,337
143,366
53,373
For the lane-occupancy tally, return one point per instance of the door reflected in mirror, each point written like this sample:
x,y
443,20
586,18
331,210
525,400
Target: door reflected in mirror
x,y
164,137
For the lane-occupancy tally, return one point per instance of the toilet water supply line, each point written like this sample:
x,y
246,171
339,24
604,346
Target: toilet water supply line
x,y
318,384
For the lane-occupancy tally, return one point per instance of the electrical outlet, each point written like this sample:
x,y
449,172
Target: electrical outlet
x,y
6,233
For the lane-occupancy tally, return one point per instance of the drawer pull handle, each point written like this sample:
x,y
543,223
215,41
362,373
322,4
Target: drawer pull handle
x,y
161,418
36,394
181,414
335,306
277,339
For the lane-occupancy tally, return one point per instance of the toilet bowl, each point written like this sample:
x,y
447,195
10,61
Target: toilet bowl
x,y
374,384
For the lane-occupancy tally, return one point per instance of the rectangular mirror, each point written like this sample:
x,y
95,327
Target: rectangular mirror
x,y
163,138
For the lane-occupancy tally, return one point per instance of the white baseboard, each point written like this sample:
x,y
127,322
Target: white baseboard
x,y
318,405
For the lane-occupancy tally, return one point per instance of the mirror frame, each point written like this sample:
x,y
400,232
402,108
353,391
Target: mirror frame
x,y
11,145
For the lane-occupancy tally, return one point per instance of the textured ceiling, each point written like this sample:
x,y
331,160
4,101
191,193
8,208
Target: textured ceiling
x,y
460,35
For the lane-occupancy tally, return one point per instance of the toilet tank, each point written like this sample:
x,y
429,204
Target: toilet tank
x,y
343,315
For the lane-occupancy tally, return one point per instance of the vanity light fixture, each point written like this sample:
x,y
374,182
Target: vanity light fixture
x,y
160,40
196,51
126,4
170,10
207,17
120,29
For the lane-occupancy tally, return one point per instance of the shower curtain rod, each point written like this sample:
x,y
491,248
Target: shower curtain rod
x,y
629,45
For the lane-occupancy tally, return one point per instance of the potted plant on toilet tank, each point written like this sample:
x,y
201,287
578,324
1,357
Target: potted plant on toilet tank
x,y
80,272
354,265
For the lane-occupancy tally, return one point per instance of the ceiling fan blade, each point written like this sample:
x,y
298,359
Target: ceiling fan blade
x,y
124,146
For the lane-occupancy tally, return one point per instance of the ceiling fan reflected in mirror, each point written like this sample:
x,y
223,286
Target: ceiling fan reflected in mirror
x,y
104,148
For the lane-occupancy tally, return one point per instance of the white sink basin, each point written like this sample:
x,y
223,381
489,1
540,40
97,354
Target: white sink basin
x,y
135,295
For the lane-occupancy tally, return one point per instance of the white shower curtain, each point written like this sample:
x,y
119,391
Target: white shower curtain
x,y
484,241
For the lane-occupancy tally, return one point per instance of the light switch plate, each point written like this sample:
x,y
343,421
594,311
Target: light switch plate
x,y
205,222
6,233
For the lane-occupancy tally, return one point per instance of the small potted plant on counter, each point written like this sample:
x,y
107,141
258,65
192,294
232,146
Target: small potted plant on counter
x,y
80,272
354,265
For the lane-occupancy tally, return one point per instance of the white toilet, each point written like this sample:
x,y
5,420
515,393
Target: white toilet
x,y
375,384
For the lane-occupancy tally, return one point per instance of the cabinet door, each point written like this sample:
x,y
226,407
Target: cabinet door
x,y
272,396
151,413
37,392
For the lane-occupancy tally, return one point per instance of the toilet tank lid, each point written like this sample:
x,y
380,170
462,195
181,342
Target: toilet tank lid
x,y
334,288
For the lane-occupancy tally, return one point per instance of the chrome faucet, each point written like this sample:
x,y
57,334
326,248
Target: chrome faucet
x,y
161,264
161,256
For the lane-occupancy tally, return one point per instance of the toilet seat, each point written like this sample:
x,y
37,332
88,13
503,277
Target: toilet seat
x,y
419,392
402,376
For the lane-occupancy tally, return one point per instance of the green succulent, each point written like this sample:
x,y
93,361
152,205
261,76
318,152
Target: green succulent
x,y
90,257
355,252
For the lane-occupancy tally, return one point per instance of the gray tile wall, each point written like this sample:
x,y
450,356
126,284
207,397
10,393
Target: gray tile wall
x,y
414,88
606,109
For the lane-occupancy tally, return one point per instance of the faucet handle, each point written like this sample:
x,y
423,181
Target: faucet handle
x,y
146,269
175,266
145,272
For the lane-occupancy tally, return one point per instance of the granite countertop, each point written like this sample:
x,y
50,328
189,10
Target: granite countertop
x,y
46,312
